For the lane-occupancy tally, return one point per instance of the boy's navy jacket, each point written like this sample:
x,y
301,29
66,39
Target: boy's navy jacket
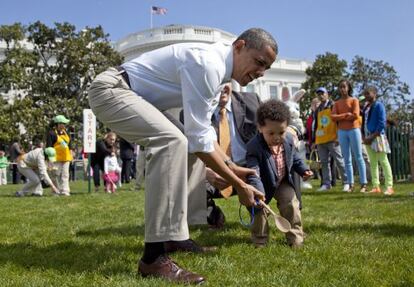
x,y
259,158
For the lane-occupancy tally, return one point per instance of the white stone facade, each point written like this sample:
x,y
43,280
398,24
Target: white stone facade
x,y
283,73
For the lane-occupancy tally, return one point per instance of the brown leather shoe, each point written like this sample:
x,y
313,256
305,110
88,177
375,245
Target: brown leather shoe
x,y
167,269
186,246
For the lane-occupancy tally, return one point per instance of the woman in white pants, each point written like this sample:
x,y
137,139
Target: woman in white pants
x,y
33,166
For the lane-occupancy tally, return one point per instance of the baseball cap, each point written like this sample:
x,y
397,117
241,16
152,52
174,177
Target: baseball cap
x,y
321,89
51,154
60,119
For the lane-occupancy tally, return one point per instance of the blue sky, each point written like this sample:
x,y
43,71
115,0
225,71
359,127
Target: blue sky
x,y
374,29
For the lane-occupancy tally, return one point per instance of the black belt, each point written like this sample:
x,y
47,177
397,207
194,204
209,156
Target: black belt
x,y
124,74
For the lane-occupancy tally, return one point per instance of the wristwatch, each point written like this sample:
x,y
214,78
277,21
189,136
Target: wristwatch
x,y
228,162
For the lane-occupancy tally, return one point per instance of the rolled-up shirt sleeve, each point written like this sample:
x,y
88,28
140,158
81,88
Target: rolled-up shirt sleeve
x,y
200,83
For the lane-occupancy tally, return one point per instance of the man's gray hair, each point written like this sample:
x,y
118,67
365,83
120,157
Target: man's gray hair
x,y
257,38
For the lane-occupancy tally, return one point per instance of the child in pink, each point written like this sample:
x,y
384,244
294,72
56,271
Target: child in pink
x,y
112,171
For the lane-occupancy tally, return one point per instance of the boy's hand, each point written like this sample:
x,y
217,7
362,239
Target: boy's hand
x,y
308,173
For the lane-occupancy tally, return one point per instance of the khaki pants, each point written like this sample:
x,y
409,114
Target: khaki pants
x,y
61,176
136,120
288,206
3,176
197,201
33,184
197,196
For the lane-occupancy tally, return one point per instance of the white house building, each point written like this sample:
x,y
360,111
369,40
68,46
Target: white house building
x,y
284,73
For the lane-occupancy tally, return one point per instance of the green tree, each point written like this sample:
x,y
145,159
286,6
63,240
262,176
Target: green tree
x,y
391,90
8,128
52,67
326,71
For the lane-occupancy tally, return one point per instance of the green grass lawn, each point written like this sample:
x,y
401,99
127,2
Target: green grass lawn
x,y
95,240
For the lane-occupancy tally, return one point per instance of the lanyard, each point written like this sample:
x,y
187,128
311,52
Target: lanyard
x,y
247,224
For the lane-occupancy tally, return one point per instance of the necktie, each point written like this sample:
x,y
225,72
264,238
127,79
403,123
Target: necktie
x,y
224,138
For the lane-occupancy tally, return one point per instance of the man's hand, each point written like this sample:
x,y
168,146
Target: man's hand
x,y
308,173
54,189
216,180
248,194
242,172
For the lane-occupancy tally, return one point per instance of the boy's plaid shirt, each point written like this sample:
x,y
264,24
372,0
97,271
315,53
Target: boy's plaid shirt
x,y
278,154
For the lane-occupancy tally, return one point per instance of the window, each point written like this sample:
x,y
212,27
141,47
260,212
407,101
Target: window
x,y
294,90
168,31
273,92
250,88
202,31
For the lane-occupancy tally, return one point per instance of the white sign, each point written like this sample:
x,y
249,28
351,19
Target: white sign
x,y
89,131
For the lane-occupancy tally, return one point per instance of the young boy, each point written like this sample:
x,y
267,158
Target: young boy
x,y
273,155
4,163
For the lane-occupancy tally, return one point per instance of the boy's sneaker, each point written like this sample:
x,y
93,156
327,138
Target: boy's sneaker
x,y
65,193
346,188
389,191
324,187
375,190
259,241
259,245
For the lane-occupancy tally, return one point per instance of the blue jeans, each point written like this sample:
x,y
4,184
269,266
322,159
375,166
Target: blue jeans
x,y
352,140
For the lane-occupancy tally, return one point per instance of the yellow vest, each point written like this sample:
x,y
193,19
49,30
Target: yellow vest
x,y
326,128
62,147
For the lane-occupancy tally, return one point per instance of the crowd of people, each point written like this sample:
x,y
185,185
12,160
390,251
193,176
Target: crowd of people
x,y
225,143
51,163
343,131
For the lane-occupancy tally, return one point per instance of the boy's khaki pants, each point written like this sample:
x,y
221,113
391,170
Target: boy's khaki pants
x,y
288,206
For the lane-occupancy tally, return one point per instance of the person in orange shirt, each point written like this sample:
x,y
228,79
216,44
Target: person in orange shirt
x,y
346,113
